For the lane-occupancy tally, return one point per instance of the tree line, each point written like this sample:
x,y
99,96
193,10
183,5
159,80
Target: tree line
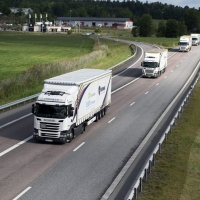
x,y
183,19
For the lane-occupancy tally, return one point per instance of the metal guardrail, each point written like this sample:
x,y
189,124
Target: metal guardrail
x,y
142,176
30,98
17,102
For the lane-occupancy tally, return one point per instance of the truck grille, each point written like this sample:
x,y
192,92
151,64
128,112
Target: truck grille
x,y
149,71
50,130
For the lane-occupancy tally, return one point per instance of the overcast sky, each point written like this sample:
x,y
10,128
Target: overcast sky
x,y
181,3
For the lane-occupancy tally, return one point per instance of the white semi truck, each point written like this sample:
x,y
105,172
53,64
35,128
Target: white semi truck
x,y
195,39
155,62
185,43
70,102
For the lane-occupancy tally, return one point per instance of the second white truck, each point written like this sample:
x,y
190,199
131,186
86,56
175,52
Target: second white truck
x,y
70,102
185,43
195,39
155,62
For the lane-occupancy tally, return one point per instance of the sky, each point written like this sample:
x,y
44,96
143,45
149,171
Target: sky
x,y
181,3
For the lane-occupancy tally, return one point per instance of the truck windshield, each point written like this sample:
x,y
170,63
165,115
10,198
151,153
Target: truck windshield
x,y
51,111
150,64
194,39
183,43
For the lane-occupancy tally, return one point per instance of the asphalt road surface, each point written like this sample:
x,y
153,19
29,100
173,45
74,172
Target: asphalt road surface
x,y
86,167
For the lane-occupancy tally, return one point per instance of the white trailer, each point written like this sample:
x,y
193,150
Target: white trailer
x,y
70,102
185,43
195,39
155,62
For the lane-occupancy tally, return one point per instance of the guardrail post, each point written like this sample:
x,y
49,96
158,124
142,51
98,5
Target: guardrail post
x,y
135,194
140,184
145,174
159,148
149,167
154,159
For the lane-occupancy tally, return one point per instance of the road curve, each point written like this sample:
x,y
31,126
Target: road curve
x,y
86,167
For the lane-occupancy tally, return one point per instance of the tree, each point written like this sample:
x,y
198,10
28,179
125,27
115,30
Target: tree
x,y
5,10
161,29
192,19
135,31
145,25
182,28
171,28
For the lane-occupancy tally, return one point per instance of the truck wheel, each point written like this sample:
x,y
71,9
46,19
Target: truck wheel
x,y
97,118
99,115
71,136
105,109
102,112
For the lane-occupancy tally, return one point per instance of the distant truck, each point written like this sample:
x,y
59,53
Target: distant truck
x,y
155,62
195,39
70,102
185,43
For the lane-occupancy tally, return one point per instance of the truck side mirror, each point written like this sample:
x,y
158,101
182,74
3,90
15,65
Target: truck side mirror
x,y
33,108
70,110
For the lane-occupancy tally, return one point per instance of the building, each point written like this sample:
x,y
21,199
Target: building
x,y
45,27
123,23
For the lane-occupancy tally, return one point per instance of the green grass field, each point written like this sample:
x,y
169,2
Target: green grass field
x,y
21,51
164,42
28,59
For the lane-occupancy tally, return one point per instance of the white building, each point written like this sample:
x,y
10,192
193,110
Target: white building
x,y
44,27
124,23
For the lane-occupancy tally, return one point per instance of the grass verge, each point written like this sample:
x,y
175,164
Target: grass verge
x,y
176,175
30,81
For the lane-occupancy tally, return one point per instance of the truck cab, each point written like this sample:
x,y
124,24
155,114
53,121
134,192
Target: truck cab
x,y
185,43
155,63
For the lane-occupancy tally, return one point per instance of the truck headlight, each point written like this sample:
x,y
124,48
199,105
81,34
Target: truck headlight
x,y
63,134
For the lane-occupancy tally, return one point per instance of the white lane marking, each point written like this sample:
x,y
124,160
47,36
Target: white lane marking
x,y
157,84
119,177
79,146
22,193
147,92
125,85
172,70
15,146
15,120
111,120
132,103
165,76
176,65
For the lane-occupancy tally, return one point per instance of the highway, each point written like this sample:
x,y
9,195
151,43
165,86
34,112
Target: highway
x,y
86,167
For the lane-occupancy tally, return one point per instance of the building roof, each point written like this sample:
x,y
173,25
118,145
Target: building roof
x,y
93,19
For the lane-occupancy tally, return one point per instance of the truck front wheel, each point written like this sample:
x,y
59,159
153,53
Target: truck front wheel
x,y
70,136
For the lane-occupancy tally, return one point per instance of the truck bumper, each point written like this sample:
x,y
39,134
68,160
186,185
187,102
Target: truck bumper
x,y
149,75
45,139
